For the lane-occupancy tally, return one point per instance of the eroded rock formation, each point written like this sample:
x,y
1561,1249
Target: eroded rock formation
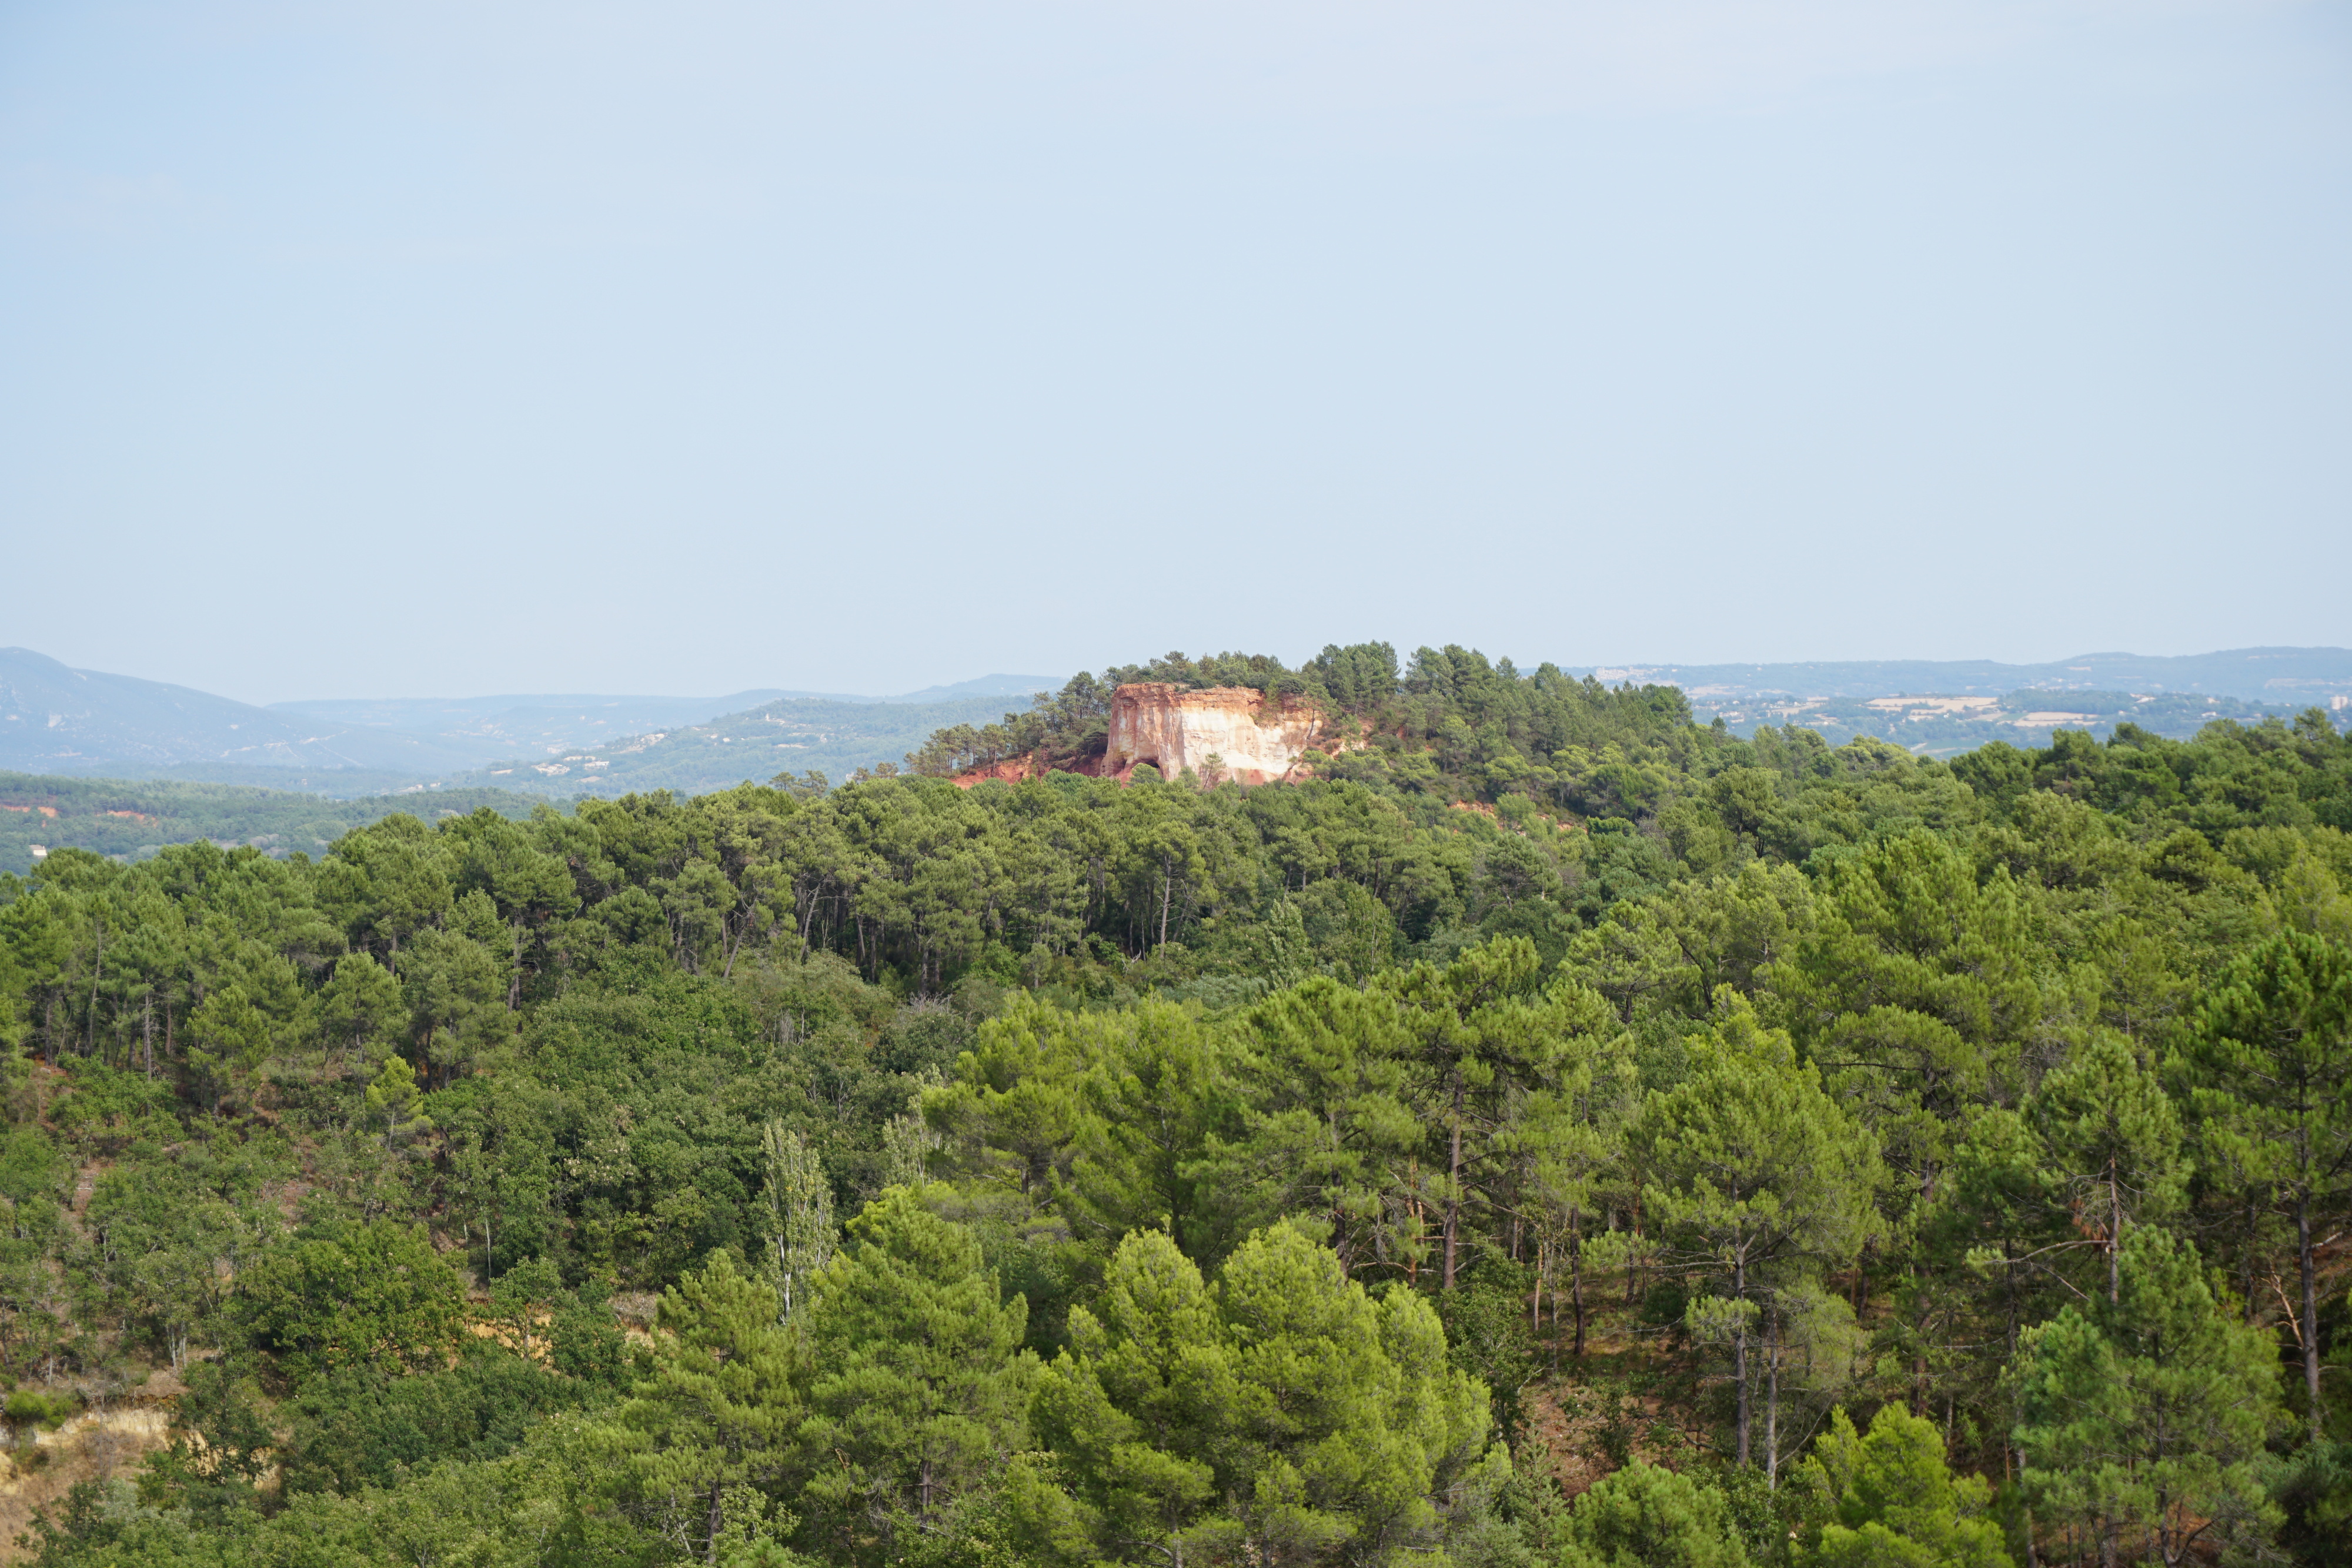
x,y
1223,732
1220,733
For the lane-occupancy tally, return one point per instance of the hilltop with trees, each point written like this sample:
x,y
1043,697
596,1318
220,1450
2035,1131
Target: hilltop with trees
x,y
1557,1132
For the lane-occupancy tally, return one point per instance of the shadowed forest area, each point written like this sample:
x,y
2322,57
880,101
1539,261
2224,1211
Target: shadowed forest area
x,y
1558,1133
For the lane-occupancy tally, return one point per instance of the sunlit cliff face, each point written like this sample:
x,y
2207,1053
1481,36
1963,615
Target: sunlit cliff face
x,y
1224,732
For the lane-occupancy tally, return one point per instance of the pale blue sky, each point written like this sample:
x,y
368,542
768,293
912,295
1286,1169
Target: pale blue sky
x,y
362,349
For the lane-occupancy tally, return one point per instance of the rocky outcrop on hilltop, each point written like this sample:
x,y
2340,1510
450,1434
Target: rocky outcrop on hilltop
x,y
1218,732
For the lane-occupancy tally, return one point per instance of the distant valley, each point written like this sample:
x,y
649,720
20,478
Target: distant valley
x,y
56,720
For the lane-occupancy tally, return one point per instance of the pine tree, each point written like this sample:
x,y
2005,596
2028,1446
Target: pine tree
x,y
1282,1416
2143,1419
920,1382
1486,1035
1646,1517
1758,1180
1888,1499
2269,1070
1328,1134
703,1446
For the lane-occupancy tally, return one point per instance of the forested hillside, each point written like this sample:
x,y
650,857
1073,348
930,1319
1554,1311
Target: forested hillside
x,y
133,819
1558,1134
822,735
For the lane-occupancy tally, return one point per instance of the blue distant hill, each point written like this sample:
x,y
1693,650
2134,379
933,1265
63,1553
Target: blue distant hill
x,y
59,721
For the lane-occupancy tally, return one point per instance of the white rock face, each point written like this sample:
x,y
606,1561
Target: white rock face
x,y
1173,728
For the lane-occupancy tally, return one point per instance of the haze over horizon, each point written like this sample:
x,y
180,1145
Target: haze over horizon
x,y
367,350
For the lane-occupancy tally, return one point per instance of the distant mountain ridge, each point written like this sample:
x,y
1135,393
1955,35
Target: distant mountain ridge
x,y
57,720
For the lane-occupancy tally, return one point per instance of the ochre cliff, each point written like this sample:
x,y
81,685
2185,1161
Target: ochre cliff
x,y
1251,740
1232,732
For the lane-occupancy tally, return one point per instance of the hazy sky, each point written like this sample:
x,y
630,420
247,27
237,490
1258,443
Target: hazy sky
x,y
425,345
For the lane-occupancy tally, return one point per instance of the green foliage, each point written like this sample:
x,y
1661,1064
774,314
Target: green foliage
x,y
220,1446
347,1296
921,1382
1888,1498
1283,1415
1761,1182
701,1450
116,816
1646,1517
2269,1063
2146,1417
368,1426
1796,1073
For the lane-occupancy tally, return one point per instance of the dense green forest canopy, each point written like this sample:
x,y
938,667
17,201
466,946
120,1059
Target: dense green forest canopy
x,y
1558,1132
1480,722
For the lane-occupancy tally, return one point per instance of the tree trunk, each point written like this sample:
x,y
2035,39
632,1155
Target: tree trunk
x,y
1412,1206
97,972
1633,1268
2249,1270
2310,1307
1740,1357
1454,1183
1576,1279
2115,1236
1772,1413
